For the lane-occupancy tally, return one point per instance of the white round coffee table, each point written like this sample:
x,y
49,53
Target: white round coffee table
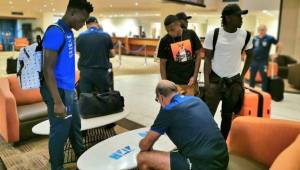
x,y
119,152
43,128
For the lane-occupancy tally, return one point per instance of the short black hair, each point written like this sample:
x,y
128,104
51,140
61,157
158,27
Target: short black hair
x,y
81,4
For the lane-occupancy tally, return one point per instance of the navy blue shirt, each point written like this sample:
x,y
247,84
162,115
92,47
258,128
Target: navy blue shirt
x,y
262,47
189,124
53,40
94,47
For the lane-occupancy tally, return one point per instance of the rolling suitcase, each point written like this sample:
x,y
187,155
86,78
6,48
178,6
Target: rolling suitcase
x,y
256,103
275,87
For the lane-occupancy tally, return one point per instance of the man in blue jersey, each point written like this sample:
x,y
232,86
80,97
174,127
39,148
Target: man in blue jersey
x,y
58,87
95,48
189,124
262,44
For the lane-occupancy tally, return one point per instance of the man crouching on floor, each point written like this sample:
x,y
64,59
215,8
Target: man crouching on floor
x,y
189,124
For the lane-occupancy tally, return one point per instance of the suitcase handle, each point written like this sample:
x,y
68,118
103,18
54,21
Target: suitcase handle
x,y
272,68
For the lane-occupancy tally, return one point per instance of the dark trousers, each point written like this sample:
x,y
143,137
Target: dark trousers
x,y
231,96
62,129
93,80
262,68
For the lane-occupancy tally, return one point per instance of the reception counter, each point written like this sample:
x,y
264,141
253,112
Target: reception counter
x,y
135,46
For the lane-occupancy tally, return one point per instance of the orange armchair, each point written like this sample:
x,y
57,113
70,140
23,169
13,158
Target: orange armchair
x,y
20,110
262,141
20,43
9,123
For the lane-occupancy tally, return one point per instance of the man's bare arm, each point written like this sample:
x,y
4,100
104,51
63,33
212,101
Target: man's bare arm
x,y
196,71
163,72
248,61
50,59
112,53
207,66
147,143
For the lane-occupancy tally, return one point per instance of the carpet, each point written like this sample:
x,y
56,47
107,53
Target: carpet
x,y
33,154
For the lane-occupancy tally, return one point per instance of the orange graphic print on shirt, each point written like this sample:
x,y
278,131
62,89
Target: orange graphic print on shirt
x,y
182,51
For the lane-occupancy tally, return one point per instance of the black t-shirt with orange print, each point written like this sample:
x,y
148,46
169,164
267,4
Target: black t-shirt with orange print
x,y
180,55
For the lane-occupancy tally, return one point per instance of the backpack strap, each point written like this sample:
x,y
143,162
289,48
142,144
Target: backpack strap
x,y
246,41
59,50
21,62
62,30
215,39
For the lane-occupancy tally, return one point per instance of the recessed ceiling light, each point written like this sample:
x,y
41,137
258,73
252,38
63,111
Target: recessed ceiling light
x,y
45,5
28,0
53,9
10,2
136,4
110,5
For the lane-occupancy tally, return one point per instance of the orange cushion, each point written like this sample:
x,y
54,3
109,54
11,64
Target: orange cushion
x,y
261,139
288,159
23,97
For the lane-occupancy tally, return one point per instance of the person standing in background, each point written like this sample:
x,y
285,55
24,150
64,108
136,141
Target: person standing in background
x,y
177,65
183,18
95,47
222,76
261,49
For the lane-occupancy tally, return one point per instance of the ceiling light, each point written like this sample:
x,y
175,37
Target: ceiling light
x,y
53,9
10,2
110,5
28,0
45,5
136,4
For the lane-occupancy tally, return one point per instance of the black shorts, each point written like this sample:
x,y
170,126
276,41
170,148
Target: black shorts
x,y
179,162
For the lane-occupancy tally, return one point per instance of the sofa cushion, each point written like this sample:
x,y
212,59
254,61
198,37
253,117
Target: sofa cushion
x,y
288,159
32,111
237,162
23,97
293,77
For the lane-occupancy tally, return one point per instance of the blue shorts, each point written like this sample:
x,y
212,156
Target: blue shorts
x,y
179,162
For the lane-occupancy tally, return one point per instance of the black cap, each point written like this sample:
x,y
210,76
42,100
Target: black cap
x,y
91,19
170,19
231,9
183,16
